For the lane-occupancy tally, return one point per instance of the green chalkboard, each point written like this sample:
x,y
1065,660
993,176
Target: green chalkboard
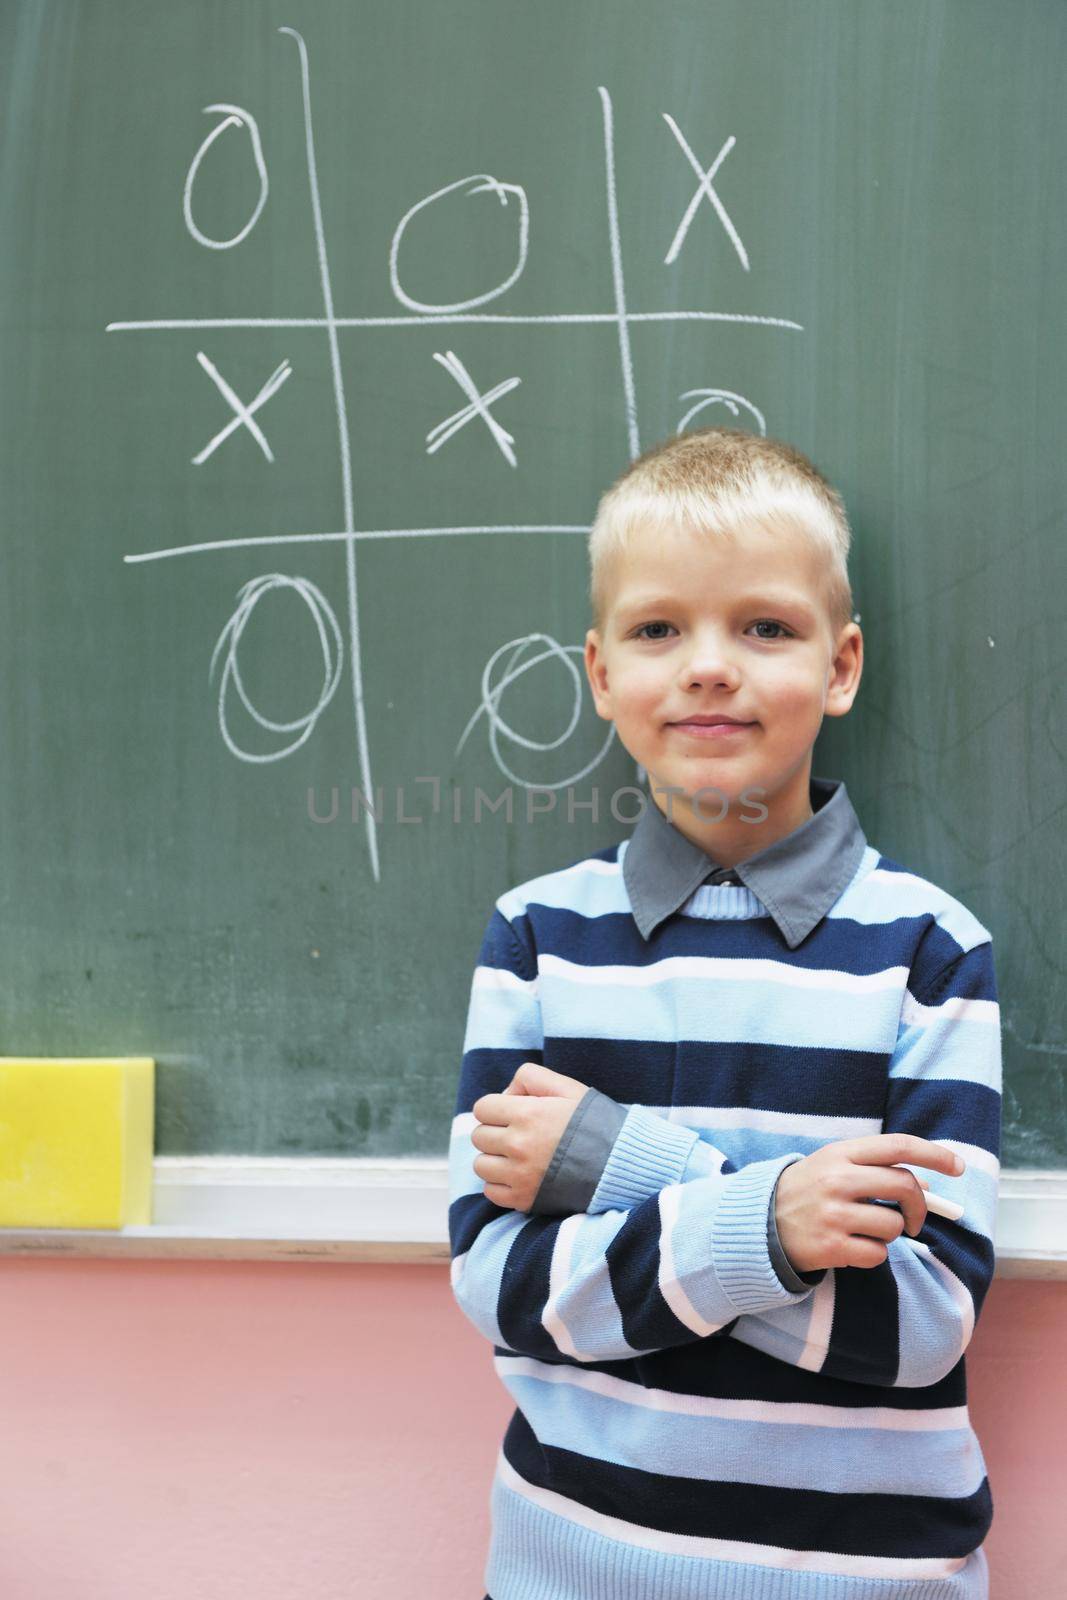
x,y
324,326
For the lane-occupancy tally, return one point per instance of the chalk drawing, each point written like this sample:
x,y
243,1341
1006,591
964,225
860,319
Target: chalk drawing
x,y
719,397
236,118
492,692
229,639
489,318
243,413
703,189
512,199
479,407
361,533
625,356
351,584
483,183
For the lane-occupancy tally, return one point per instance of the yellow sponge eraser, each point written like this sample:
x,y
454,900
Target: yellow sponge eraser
x,y
76,1141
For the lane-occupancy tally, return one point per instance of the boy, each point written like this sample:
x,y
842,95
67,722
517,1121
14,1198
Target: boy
x,y
699,1066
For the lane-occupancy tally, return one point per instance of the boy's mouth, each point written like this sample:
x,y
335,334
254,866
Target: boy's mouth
x,y
712,727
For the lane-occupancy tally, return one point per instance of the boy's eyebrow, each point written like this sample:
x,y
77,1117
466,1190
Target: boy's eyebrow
x,y
662,601
787,599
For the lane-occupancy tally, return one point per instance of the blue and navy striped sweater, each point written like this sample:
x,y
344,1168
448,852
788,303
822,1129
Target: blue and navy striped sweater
x,y
686,1428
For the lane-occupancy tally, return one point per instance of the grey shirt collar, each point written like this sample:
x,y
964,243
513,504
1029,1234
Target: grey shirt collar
x,y
797,878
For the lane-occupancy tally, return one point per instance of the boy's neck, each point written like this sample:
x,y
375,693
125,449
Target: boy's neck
x,y
750,824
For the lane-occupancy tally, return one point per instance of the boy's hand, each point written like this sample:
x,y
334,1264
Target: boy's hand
x,y
519,1131
819,1207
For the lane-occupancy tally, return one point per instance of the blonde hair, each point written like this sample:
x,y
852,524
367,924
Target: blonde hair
x,y
711,481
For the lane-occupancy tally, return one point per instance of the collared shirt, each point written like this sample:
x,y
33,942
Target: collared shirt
x,y
798,878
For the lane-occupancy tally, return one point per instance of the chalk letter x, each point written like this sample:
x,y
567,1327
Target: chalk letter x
x,y
244,413
479,407
704,189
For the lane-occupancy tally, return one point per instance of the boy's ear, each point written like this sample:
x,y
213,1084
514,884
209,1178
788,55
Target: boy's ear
x,y
846,671
596,672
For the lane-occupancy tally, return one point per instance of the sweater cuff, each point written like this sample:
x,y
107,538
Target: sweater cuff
x,y
649,1154
740,1238
796,1282
578,1159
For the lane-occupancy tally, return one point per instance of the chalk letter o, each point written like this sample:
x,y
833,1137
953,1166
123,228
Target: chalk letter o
x,y
484,182
235,118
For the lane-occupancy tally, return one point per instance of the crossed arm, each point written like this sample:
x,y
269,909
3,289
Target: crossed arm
x,y
548,1141
673,1248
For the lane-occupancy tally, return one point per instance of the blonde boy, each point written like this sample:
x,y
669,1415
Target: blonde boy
x,y
698,1069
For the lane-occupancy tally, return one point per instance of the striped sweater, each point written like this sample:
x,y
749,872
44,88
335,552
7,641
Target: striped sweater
x,y
686,1427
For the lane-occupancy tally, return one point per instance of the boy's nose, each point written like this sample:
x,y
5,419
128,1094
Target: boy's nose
x,y
709,657
711,667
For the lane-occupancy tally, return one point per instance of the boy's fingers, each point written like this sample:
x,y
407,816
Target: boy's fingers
x,y
534,1078
492,1169
490,1139
490,1108
906,1149
912,1201
913,1207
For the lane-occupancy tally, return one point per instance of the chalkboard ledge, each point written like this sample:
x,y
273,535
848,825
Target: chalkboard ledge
x,y
275,1209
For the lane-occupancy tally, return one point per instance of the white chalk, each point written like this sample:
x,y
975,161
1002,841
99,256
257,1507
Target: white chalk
x,y
944,1208
936,1202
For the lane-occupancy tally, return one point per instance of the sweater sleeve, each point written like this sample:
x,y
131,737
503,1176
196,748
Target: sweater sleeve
x,y
583,1154
667,1270
906,1322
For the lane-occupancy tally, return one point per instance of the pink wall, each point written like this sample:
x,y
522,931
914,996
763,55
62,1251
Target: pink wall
x,y
217,1430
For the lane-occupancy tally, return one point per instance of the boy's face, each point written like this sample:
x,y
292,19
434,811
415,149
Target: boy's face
x,y
700,626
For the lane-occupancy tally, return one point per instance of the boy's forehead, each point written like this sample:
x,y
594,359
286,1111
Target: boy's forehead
x,y
662,563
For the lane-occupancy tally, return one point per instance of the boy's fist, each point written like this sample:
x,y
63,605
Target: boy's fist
x,y
519,1130
819,1207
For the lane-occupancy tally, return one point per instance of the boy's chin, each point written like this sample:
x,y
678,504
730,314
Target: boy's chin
x,y
710,791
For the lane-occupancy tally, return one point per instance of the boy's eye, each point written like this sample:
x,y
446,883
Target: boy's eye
x,y
764,622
